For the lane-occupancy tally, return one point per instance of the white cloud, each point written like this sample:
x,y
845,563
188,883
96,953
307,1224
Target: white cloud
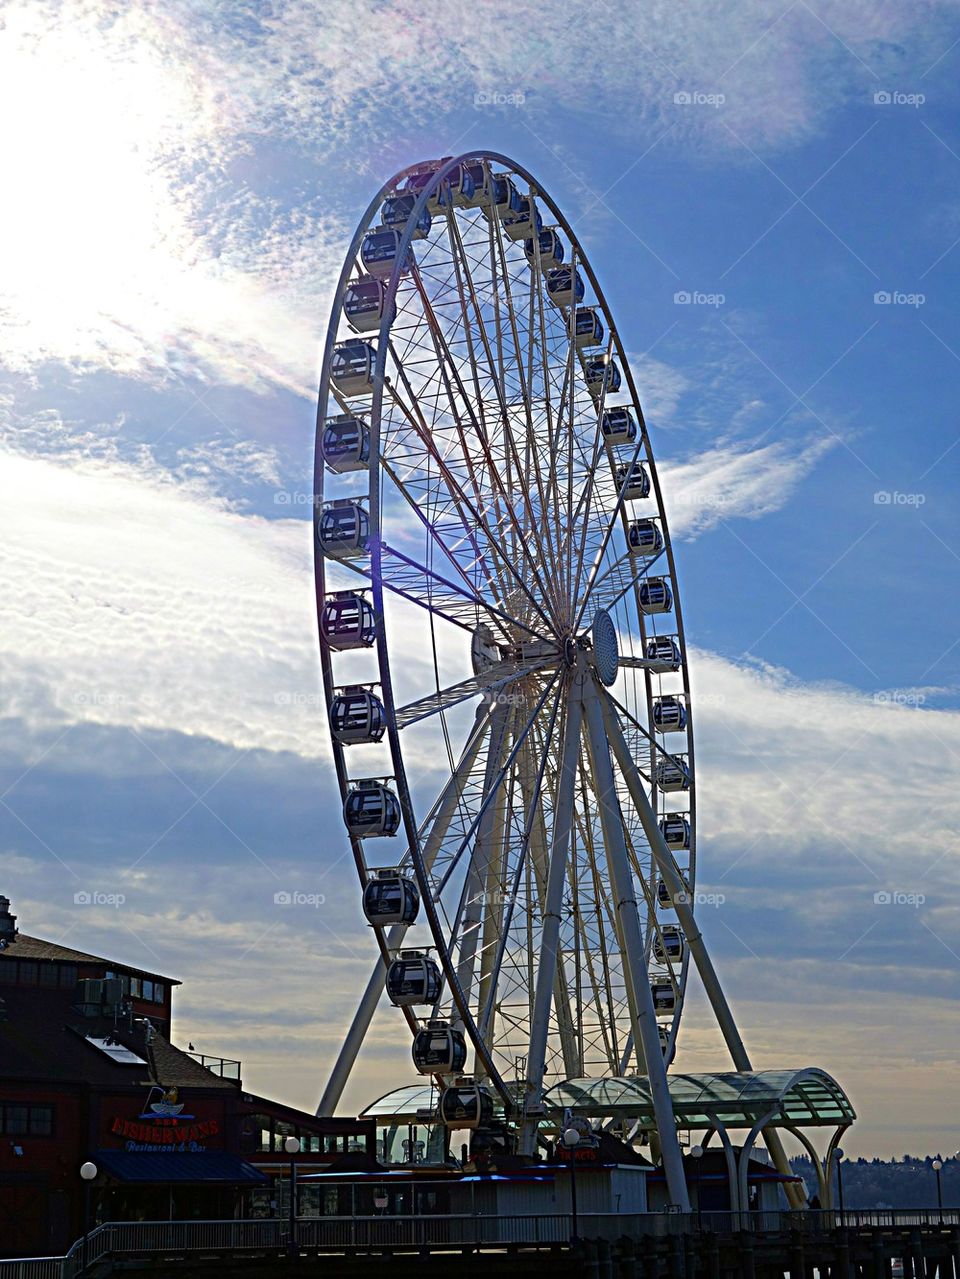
x,y
732,481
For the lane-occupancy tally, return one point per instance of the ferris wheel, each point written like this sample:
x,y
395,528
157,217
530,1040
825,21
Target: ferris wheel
x,y
503,654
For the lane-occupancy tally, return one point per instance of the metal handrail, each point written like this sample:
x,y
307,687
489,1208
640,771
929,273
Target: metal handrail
x,y
125,1239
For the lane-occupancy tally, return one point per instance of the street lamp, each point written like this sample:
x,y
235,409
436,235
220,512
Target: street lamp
x,y
838,1156
697,1155
571,1140
937,1165
292,1146
88,1171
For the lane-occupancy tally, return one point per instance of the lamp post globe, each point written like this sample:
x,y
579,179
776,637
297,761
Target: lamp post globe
x,y
291,1145
88,1170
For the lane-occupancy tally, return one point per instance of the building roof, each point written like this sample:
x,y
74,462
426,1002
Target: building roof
x,y
23,947
806,1097
44,1037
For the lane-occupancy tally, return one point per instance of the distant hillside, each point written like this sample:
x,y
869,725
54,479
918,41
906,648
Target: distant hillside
x,y
909,1182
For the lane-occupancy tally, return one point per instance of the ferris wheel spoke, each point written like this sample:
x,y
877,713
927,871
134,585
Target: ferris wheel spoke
x,y
531,533
490,792
493,680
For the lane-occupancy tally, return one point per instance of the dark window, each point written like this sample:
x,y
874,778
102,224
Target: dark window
x,y
158,992
41,1121
147,989
28,972
15,1120
136,987
8,972
48,974
67,975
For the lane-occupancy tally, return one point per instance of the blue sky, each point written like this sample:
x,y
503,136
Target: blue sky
x,y
186,184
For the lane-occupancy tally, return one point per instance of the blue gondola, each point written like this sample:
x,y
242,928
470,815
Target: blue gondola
x,y
391,898
412,978
669,715
655,595
663,654
352,367
589,329
345,443
675,829
603,376
380,251
634,481
371,810
618,426
664,998
439,1049
396,213
357,715
343,529
668,944
644,538
673,773
501,195
663,892
347,621
551,250
456,189
564,286
365,304
526,222
466,1104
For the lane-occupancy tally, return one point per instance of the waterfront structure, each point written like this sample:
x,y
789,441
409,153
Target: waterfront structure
x,y
88,1074
524,827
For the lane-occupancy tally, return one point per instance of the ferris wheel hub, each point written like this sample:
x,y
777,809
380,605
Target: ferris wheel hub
x,y
606,652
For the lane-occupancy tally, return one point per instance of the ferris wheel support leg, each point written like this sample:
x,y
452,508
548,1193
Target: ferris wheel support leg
x,y
691,932
444,812
642,1012
553,905
358,1029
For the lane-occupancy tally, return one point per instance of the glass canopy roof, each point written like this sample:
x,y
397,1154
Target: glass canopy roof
x,y
804,1098
737,1098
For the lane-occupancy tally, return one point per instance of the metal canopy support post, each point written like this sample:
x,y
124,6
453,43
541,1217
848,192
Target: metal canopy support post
x,y
692,935
744,1157
550,935
643,1015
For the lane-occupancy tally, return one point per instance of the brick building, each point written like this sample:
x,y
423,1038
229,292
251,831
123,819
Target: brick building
x,y
88,1073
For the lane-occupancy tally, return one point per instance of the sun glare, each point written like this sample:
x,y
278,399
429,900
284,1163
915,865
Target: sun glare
x,y
95,123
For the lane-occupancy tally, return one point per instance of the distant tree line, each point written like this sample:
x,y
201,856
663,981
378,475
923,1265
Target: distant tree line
x,y
910,1182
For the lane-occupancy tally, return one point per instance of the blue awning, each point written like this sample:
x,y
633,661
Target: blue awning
x,y
205,1166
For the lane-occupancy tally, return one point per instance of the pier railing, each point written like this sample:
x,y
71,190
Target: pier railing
x,y
168,1240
